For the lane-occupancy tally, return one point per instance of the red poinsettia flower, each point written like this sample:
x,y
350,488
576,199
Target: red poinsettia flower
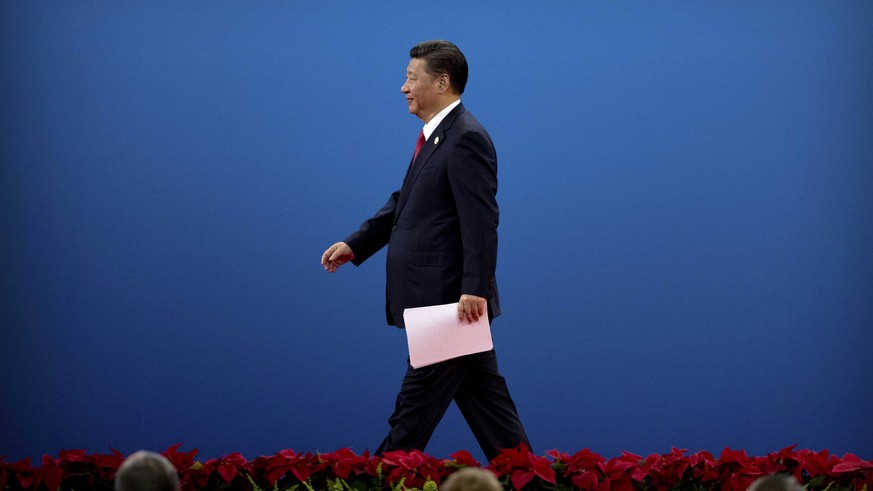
x,y
648,468
509,458
184,464
74,466
414,467
464,458
851,470
738,471
585,459
705,467
107,465
582,468
660,471
542,468
302,466
23,472
850,463
50,474
373,466
344,462
182,461
617,472
228,467
673,467
522,466
585,470
200,473
76,456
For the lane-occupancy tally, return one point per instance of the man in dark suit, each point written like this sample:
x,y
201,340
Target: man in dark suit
x,y
441,232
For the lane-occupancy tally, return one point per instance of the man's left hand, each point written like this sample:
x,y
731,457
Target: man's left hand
x,y
471,307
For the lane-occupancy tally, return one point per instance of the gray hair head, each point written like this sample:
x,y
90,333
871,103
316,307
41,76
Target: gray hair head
x,y
778,482
472,479
146,471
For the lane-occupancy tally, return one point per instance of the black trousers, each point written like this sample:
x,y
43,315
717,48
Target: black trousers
x,y
480,393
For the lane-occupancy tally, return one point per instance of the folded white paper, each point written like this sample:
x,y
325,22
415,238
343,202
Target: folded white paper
x,y
435,334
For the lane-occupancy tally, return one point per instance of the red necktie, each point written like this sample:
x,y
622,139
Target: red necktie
x,y
418,145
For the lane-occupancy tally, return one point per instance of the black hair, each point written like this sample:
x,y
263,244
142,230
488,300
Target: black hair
x,y
443,57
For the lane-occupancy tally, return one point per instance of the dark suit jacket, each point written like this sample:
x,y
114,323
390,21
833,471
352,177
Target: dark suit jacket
x,y
441,225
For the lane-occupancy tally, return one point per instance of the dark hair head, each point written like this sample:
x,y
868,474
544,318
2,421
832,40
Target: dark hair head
x,y
146,471
443,57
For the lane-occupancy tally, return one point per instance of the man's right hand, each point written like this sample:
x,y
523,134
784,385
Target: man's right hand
x,y
336,255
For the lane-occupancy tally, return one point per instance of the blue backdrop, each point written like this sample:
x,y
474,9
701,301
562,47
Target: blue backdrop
x,y
685,239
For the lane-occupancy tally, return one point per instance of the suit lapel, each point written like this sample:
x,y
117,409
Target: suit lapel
x,y
437,138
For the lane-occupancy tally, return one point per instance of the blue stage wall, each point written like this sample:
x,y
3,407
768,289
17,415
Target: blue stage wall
x,y
685,239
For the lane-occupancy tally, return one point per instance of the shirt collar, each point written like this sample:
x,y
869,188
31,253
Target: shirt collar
x,y
436,120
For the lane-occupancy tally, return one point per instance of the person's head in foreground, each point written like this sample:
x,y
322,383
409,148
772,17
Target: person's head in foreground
x,y
472,479
146,471
779,482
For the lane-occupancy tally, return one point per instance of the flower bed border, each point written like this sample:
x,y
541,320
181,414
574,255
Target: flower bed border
x,y
517,468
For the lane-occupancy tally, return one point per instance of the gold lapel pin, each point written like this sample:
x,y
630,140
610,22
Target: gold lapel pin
x,y
436,141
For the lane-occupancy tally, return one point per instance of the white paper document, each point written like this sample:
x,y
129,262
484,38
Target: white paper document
x,y
435,334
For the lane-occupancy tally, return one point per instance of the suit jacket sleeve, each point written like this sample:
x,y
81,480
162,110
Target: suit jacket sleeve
x,y
472,176
374,233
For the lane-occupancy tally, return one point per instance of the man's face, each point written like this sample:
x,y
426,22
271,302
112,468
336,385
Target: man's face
x,y
421,90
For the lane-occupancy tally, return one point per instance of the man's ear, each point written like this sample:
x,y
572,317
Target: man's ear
x,y
444,83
